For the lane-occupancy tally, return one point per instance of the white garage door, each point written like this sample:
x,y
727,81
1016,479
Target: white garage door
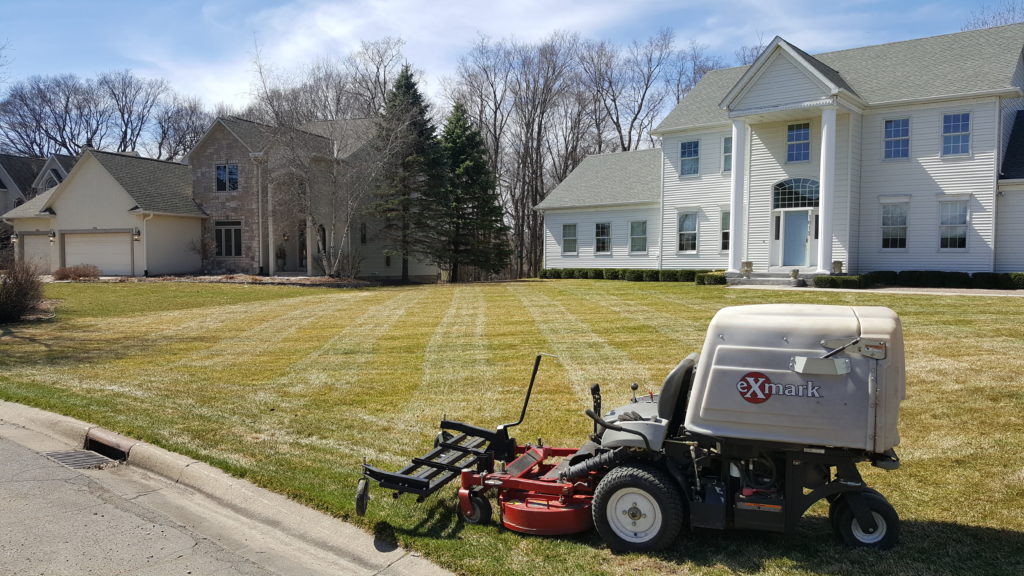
x,y
110,252
37,251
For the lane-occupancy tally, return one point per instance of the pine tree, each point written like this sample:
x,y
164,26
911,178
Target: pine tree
x,y
413,169
467,226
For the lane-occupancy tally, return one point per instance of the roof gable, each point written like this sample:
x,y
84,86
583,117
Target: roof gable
x,y
21,170
610,180
55,166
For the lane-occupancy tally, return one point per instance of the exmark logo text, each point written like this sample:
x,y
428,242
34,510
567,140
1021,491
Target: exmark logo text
x,y
756,388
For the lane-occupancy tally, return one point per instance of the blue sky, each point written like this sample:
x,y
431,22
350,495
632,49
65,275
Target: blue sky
x,y
205,48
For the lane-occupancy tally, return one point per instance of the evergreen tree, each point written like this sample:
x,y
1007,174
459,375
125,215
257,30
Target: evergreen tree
x,y
467,227
413,169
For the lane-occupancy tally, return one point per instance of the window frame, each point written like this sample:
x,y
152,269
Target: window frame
x,y
969,135
790,143
966,225
726,154
684,161
598,238
905,204
695,232
886,139
634,237
575,239
725,229
221,240
226,178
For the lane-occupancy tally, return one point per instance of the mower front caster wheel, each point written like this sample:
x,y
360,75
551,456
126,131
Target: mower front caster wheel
x,y
362,496
638,509
849,531
481,513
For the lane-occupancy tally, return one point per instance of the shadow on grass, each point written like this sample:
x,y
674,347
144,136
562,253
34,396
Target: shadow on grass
x,y
440,521
925,548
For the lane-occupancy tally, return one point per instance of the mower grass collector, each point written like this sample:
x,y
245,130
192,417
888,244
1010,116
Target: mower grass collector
x,y
772,416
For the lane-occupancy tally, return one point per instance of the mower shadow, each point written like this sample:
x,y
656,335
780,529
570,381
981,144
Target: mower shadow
x,y
925,548
439,522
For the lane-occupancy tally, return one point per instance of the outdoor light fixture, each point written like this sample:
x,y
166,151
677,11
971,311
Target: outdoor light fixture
x,y
136,235
52,236
14,237
285,236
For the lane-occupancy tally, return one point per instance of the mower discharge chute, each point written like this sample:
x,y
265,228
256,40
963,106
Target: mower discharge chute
x,y
773,415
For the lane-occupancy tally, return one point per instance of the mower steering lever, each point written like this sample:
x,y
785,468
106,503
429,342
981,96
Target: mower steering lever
x,y
610,426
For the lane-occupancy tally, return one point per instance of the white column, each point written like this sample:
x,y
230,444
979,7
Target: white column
x,y
271,260
827,184
739,162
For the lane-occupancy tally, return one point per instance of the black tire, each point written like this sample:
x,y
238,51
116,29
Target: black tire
x,y
835,503
481,513
638,509
885,536
362,496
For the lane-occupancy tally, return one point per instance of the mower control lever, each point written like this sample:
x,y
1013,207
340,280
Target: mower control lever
x,y
610,426
529,390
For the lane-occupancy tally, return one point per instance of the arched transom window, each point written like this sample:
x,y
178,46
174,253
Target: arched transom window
x,y
795,193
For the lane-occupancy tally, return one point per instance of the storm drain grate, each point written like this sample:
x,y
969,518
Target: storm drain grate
x,y
80,459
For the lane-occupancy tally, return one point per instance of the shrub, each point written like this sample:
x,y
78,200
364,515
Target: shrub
x,y
612,273
879,277
710,278
20,291
687,275
651,275
991,281
580,273
669,276
956,280
848,282
79,272
595,274
1017,279
911,278
634,275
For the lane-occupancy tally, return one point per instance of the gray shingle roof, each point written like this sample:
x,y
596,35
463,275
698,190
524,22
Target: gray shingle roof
x,y
257,137
1013,163
155,185
22,170
608,180
952,65
31,209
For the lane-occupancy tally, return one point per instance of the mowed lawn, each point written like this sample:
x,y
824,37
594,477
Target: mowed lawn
x,y
294,387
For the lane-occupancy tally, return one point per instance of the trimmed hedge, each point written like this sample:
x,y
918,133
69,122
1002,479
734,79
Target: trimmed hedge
x,y
848,282
711,278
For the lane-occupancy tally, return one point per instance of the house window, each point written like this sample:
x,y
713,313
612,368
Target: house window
x,y
689,153
796,193
956,134
897,139
228,237
953,224
568,238
687,231
362,232
725,229
227,177
894,225
798,142
602,237
638,236
727,154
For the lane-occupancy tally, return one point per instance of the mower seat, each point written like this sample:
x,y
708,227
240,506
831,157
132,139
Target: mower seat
x,y
674,392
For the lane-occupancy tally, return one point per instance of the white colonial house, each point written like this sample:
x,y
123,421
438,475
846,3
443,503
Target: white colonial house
x,y
901,156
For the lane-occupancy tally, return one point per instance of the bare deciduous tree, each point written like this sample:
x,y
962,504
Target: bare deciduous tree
x,y
133,100
691,64
177,126
745,55
372,70
985,16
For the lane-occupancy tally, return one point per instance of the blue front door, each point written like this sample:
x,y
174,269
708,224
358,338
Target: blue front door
x,y
794,248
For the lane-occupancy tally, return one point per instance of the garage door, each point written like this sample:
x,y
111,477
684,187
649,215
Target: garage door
x,y
110,252
37,251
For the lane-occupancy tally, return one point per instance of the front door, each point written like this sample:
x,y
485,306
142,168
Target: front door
x,y
794,237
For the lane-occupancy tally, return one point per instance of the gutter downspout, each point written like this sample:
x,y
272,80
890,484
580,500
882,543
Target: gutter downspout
x,y
145,251
997,171
256,157
661,214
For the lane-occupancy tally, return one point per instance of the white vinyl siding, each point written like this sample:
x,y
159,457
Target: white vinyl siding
x,y
782,82
1009,232
928,179
586,220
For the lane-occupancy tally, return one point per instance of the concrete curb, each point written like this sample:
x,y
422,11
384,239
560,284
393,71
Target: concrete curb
x,y
257,504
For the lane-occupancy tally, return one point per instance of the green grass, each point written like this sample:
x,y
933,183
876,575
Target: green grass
x,y
293,387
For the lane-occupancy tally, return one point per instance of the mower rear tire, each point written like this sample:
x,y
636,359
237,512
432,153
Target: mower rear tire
x,y
638,508
849,531
481,513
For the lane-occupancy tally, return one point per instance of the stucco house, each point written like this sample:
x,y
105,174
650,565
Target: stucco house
x,y
126,215
900,156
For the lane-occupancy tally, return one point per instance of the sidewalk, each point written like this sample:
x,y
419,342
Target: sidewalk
x,y
160,513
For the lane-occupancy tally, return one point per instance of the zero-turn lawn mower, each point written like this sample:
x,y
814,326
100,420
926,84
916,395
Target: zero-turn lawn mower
x,y
773,415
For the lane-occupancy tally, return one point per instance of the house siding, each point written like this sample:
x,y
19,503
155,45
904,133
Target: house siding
x,y
1009,215
927,177
781,82
171,245
586,220
707,193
